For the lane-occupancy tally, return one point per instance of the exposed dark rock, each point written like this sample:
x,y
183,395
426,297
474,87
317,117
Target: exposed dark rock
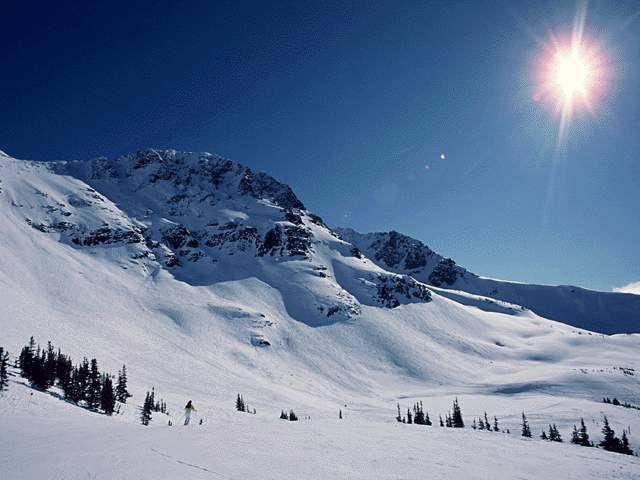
x,y
393,289
176,236
272,242
291,216
445,273
107,236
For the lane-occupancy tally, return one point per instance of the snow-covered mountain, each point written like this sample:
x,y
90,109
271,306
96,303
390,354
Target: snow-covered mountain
x,y
208,279
604,312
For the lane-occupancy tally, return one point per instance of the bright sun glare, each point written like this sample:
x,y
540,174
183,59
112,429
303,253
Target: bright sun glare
x,y
571,73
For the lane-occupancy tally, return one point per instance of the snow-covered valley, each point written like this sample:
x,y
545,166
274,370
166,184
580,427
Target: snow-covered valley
x,y
208,280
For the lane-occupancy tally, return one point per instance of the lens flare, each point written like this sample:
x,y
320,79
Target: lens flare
x,y
571,75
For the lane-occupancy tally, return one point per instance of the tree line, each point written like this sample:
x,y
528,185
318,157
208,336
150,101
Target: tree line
x,y
82,383
579,436
618,403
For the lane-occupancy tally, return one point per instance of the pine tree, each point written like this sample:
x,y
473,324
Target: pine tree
x,y
82,385
427,420
399,416
474,425
64,367
447,421
94,386
609,441
340,414
418,414
554,434
26,358
526,431
456,419
480,424
145,415
284,416
543,435
50,364
39,378
495,424
575,435
107,395
625,445
292,416
583,435
409,416
4,374
121,388
240,406
486,422
441,422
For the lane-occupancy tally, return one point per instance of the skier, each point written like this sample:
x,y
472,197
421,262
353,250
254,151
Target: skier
x,y
188,410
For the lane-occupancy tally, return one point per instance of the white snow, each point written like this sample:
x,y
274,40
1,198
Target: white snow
x,y
190,332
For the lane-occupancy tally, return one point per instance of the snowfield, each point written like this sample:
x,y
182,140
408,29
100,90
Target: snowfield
x,y
208,280
51,439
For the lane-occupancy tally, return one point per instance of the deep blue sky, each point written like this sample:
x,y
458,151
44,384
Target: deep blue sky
x,y
349,104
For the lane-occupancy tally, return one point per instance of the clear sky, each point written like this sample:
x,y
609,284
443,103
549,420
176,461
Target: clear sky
x,y
353,105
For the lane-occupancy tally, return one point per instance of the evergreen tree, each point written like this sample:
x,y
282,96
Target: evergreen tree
x,y
480,424
64,367
292,416
456,419
283,416
240,406
418,414
447,421
121,388
145,415
94,386
583,435
495,424
399,416
409,416
575,435
50,364
609,441
427,420
4,374
486,422
625,445
82,385
340,414
526,431
107,395
554,434
441,422
39,378
543,435
26,358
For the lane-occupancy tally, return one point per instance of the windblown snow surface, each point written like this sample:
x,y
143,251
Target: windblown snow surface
x,y
211,284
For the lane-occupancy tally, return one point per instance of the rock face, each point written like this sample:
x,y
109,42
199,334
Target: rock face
x,y
402,254
605,312
206,219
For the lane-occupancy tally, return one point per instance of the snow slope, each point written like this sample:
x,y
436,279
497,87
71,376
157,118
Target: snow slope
x,y
604,312
240,446
245,291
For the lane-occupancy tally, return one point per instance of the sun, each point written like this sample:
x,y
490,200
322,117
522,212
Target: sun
x,y
570,75
573,74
